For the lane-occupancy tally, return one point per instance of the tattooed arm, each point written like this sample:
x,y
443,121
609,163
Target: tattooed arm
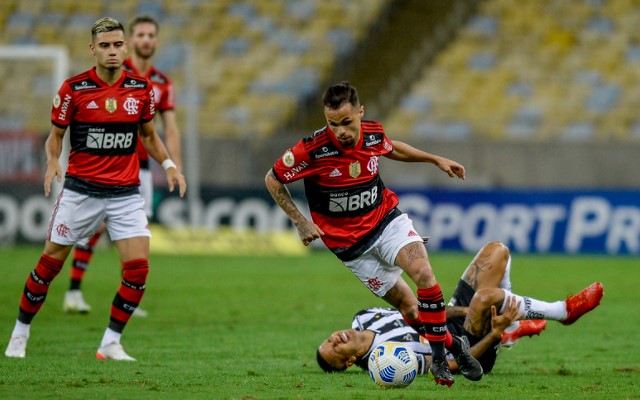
x,y
307,229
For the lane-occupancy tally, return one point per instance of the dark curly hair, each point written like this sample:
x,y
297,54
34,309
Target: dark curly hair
x,y
326,367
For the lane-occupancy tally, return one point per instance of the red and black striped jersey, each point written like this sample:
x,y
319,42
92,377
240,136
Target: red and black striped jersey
x,y
163,95
103,123
347,198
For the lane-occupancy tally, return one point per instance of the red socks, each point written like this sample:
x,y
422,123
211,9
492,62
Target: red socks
x,y
37,286
134,277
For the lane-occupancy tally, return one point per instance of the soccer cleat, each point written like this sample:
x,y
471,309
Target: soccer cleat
x,y
74,302
140,313
113,351
469,367
17,347
440,371
583,302
527,327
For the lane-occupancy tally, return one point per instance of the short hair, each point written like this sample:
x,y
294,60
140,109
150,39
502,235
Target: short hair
x,y
106,24
335,96
143,19
326,367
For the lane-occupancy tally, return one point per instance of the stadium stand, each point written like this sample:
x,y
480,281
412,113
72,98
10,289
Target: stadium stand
x,y
549,69
254,60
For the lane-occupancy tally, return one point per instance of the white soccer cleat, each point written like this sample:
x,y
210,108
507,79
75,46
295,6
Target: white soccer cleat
x,y
113,351
17,347
74,302
140,313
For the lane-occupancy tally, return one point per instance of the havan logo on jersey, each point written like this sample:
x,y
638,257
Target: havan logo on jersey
x,y
97,138
65,106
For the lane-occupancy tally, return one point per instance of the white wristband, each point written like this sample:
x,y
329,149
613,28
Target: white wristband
x,y
166,164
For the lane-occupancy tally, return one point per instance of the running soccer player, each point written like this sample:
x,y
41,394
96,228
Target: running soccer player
x,y
143,40
105,108
357,218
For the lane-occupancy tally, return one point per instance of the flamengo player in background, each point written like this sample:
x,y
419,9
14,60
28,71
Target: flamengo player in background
x,y
358,220
104,109
143,40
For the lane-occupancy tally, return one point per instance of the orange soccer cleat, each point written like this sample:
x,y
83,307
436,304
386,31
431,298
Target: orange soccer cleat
x,y
527,327
583,302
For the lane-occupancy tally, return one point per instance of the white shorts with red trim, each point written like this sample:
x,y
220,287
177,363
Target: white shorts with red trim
x,y
76,217
376,267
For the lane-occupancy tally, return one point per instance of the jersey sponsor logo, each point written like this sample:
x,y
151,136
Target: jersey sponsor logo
x,y
295,170
98,139
83,85
111,105
324,151
65,107
92,105
288,159
343,202
133,83
56,101
372,165
372,140
131,106
355,169
335,173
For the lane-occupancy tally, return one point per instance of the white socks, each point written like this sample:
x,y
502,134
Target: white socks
x,y
110,336
505,283
535,309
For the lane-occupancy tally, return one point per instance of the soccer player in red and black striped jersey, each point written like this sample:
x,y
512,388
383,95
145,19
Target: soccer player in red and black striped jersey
x,y
105,109
357,217
143,40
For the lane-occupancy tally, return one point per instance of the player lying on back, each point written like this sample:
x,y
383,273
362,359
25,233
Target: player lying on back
x,y
482,309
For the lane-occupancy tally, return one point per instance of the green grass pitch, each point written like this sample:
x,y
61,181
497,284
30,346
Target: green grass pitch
x,y
247,328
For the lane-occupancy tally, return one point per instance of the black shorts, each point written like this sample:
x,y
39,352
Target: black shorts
x,y
462,297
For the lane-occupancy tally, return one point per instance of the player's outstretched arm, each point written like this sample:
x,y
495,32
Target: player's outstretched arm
x,y
156,149
407,153
53,148
307,230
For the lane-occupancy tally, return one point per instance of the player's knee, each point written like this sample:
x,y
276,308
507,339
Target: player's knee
x,y
136,271
485,298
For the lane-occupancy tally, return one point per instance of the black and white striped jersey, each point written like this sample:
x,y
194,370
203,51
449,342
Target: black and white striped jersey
x,y
389,325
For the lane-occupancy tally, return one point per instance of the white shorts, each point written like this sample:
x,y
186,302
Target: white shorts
x,y
376,267
76,217
146,190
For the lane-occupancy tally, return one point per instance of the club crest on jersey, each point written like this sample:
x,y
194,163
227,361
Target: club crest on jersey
x,y
355,169
131,105
372,165
288,159
111,105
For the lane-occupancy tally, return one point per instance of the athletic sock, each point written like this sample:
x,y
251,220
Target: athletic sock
x,y
81,257
129,295
37,287
434,319
536,309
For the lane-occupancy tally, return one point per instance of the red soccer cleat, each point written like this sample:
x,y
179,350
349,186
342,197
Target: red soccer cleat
x,y
583,302
527,327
